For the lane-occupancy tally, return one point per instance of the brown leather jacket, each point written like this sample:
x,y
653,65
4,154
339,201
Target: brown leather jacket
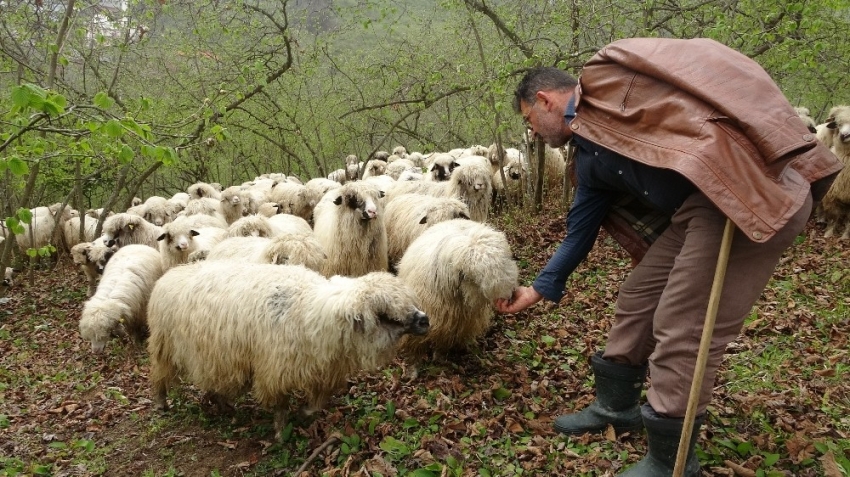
x,y
712,114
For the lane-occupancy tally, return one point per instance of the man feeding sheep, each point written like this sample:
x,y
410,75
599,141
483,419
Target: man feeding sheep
x,y
685,133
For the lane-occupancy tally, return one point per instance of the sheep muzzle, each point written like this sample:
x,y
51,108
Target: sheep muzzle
x,y
418,323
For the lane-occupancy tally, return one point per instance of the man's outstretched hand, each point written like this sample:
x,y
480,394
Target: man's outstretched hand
x,y
522,298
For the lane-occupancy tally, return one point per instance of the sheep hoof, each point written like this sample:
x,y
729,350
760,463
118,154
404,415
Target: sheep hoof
x,y
410,374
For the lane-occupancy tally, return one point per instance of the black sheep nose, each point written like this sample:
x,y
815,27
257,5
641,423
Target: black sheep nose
x,y
110,243
421,319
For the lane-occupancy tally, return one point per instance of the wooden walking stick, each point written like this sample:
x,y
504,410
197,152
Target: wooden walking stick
x,y
704,346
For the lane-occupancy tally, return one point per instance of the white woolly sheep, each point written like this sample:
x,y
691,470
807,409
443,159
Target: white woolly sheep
x,y
205,206
71,230
320,186
92,258
408,215
283,223
458,268
417,158
338,176
39,232
375,167
835,206
233,202
135,201
414,174
400,151
806,117
288,248
352,172
159,211
268,209
471,183
127,229
119,306
200,190
295,199
349,223
251,226
395,168
181,238
274,330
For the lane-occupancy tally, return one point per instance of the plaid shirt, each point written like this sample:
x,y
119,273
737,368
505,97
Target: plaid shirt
x,y
632,200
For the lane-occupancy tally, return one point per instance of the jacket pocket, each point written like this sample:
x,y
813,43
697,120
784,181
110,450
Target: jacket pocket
x,y
749,149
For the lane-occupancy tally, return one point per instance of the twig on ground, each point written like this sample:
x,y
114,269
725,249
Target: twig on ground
x,y
332,440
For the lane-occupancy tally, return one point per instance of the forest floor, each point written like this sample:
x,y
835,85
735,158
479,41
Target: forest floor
x,y
781,403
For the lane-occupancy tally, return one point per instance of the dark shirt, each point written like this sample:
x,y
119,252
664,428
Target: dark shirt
x,y
603,177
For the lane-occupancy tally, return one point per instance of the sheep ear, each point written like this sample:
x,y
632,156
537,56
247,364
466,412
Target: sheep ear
x,y
161,237
381,194
423,220
463,216
831,124
131,226
194,233
338,200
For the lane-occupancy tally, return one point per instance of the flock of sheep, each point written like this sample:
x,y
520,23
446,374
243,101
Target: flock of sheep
x,y
276,287
279,288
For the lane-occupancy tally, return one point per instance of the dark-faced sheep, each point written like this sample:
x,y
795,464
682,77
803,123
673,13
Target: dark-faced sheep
x,y
274,330
127,229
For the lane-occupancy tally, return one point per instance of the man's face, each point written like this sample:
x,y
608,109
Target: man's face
x,y
545,122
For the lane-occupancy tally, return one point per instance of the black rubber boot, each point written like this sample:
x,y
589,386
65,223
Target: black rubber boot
x,y
618,388
662,437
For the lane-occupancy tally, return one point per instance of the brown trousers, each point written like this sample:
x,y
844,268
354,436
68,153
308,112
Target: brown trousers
x,y
662,305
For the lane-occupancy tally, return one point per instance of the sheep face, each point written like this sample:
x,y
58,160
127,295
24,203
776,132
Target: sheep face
x,y
180,242
364,206
842,129
384,308
115,237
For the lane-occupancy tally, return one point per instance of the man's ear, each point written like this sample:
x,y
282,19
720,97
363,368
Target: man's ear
x,y
544,98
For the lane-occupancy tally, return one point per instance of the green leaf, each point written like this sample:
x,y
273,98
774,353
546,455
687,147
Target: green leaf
x,y
51,107
57,445
126,155
113,128
390,409
394,447
422,473
24,215
410,423
21,96
102,100
18,166
501,394
548,340
85,444
14,225
770,459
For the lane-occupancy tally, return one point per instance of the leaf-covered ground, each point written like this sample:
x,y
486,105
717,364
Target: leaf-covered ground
x,y
780,405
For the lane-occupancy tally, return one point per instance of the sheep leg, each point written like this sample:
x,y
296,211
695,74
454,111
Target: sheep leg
x,y
281,416
159,391
219,404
